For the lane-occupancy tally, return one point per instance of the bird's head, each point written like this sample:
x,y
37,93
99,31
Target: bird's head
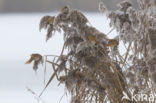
x,y
65,9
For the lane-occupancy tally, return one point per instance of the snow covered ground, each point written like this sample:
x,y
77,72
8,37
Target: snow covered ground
x,y
19,37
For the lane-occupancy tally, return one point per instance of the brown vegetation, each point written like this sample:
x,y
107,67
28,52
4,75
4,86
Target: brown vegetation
x,y
94,71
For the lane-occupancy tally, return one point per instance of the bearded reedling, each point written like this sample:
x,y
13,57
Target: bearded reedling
x,y
37,58
92,39
99,39
47,22
112,43
51,20
65,10
62,79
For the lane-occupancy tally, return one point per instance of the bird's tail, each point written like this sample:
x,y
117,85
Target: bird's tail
x,y
29,61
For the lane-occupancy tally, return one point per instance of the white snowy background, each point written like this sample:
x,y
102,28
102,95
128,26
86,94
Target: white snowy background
x,y
20,37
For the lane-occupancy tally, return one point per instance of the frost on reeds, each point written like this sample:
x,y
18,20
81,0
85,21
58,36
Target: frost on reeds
x,y
93,70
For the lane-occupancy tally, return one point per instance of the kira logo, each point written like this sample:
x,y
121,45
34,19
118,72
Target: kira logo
x,y
139,97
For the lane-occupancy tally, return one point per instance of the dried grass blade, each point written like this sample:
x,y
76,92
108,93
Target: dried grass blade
x,y
117,73
45,69
51,78
53,66
127,52
36,96
52,63
136,49
63,49
110,31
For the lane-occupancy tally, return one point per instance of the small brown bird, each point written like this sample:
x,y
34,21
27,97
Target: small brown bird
x,y
35,57
51,20
62,79
92,38
65,10
45,21
112,43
